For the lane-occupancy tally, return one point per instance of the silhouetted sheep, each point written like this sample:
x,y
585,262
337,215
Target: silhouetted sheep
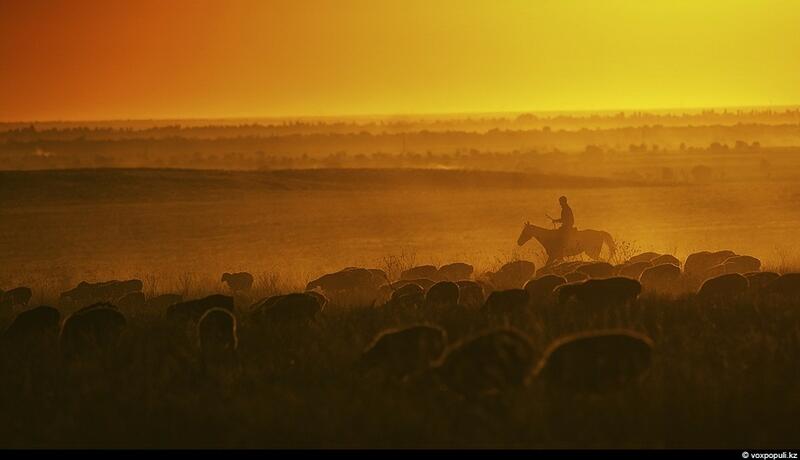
x,y
409,300
218,341
723,287
378,276
470,294
540,290
193,310
15,297
388,292
132,301
91,331
408,288
643,257
735,264
31,329
661,279
424,283
443,293
217,336
787,285
107,291
163,301
567,267
296,308
488,288
595,361
352,284
29,358
759,280
597,270
666,259
487,364
716,270
576,276
266,302
698,264
402,352
238,282
95,306
512,275
600,292
545,270
321,299
506,302
120,288
455,271
742,264
345,280
633,270
421,271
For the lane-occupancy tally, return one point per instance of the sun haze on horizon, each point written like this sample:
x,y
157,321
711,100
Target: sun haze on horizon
x,y
92,60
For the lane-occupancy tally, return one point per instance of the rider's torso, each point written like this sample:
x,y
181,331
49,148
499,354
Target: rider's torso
x,y
567,219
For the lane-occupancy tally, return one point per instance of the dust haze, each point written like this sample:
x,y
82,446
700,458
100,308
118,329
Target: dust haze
x,y
304,197
402,281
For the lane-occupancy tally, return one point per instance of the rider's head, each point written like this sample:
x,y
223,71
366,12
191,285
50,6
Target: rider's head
x,y
562,200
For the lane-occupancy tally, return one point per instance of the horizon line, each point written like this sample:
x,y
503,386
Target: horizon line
x,y
401,115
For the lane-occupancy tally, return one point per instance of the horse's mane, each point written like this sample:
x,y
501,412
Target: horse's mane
x,y
542,233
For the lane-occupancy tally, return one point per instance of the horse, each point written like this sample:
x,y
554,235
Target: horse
x,y
578,242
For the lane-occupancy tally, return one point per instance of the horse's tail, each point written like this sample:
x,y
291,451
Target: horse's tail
x,y
612,247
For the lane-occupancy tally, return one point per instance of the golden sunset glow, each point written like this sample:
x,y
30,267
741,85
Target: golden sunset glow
x,y
400,224
154,59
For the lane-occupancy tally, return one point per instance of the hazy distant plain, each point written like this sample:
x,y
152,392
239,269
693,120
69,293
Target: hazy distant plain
x,y
63,227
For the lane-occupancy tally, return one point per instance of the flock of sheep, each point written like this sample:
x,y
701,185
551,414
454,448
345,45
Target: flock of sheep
x,y
596,360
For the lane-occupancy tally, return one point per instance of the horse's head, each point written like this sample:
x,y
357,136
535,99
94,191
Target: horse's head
x,y
525,235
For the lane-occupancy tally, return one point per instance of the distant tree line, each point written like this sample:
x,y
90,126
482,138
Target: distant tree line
x,y
212,129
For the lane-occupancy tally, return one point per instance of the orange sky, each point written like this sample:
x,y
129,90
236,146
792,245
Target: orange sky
x,y
101,59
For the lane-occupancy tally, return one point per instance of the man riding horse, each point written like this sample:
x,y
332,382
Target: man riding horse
x,y
566,240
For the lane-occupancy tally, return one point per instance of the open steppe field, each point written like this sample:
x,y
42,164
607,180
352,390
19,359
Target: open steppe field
x,y
61,227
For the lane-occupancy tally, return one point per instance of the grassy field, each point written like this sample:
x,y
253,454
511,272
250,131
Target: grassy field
x,y
62,227
724,375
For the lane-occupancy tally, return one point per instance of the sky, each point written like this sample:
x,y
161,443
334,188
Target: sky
x,y
145,59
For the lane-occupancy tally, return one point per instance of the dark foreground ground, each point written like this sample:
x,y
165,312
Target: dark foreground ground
x,y
723,375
